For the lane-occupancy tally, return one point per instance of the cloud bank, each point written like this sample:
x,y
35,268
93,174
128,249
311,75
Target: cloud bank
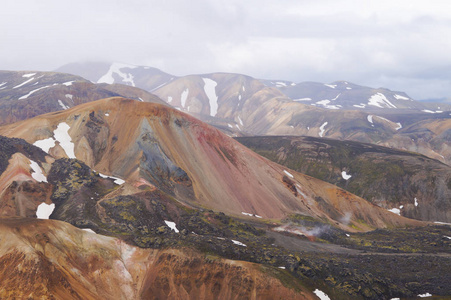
x,y
401,45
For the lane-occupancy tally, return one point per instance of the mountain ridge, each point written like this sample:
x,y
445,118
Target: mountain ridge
x,y
242,105
238,180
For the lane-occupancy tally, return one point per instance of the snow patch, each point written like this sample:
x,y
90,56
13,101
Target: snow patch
x,y
89,230
442,223
69,96
238,243
37,172
230,125
448,237
399,126
45,144
107,115
210,90
33,91
424,295
326,104
399,97
370,119
336,97
28,75
395,211
283,268
332,86
251,215
169,99
63,105
183,97
241,122
61,134
115,68
23,83
348,88
428,111
298,189
44,210
303,99
380,100
345,176
117,180
289,174
321,295
361,105
69,83
416,202
323,102
172,226
280,84
322,130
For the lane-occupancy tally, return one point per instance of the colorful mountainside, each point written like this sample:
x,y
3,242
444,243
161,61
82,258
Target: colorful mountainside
x,y
157,146
161,171
405,182
48,259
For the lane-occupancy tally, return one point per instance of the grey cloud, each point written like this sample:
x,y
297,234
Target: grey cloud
x,y
400,45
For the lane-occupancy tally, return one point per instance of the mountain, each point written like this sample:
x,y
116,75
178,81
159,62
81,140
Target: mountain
x,y
240,105
413,185
146,78
27,94
158,234
48,259
350,96
159,147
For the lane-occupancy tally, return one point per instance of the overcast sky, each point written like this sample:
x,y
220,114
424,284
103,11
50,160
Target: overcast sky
x,y
403,45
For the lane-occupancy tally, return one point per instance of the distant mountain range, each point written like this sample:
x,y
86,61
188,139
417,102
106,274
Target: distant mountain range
x,y
241,105
336,95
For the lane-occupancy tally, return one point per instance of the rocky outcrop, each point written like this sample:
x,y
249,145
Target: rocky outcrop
x,y
48,259
20,191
